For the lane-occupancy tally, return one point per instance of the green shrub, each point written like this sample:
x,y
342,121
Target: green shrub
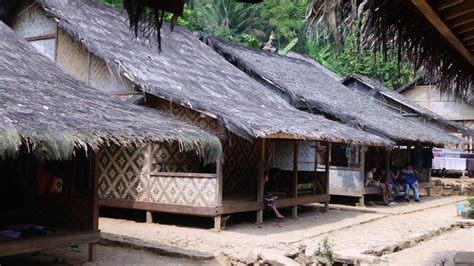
x,y
470,209
324,254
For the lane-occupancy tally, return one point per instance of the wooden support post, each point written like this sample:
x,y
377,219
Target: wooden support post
x,y
316,150
92,252
149,167
326,172
149,217
363,149
261,181
220,180
387,163
217,223
295,177
94,199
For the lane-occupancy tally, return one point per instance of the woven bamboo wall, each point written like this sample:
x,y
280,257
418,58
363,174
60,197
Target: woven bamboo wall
x,y
124,175
240,156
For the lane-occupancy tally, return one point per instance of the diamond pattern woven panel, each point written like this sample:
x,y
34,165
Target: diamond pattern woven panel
x,y
188,115
168,158
190,191
240,166
123,173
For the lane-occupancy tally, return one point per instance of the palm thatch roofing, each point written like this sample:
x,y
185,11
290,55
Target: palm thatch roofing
x,y
427,32
309,87
52,114
376,86
190,73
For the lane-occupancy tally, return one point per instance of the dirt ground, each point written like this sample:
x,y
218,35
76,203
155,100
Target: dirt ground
x,y
105,256
404,234
355,232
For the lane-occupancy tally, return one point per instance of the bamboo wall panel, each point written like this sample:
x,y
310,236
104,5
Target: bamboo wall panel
x,y
72,57
102,78
240,166
124,175
190,191
168,158
33,23
190,116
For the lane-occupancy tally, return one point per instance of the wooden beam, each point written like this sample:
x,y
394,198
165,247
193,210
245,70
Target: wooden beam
x,y
439,24
41,37
459,21
443,4
465,28
280,203
458,10
41,243
158,207
179,174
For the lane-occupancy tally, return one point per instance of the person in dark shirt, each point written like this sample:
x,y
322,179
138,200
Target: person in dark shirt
x,y
269,199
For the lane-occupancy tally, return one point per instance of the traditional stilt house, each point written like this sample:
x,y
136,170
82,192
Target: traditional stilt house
x,y
309,88
190,81
395,101
53,132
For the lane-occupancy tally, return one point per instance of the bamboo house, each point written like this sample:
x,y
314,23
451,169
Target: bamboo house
x,y
395,101
53,132
309,88
189,81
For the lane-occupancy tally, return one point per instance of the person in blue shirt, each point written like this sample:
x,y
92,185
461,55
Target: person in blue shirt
x,y
410,181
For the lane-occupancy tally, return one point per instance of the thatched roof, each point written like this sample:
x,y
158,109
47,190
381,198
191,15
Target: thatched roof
x,y
190,73
51,113
308,86
428,33
376,86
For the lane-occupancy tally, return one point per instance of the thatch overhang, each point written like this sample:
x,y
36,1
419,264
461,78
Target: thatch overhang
x,y
310,88
435,35
53,114
190,73
394,95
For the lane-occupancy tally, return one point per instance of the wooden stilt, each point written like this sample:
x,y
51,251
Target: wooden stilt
x,y
259,217
149,217
217,223
363,149
295,178
361,201
316,150
261,181
92,252
327,169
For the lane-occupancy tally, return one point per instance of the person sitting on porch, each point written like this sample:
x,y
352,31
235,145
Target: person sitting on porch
x,y
269,199
410,181
373,180
393,184
385,187
370,178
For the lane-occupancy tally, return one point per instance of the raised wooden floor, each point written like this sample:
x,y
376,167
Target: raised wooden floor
x,y
40,243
